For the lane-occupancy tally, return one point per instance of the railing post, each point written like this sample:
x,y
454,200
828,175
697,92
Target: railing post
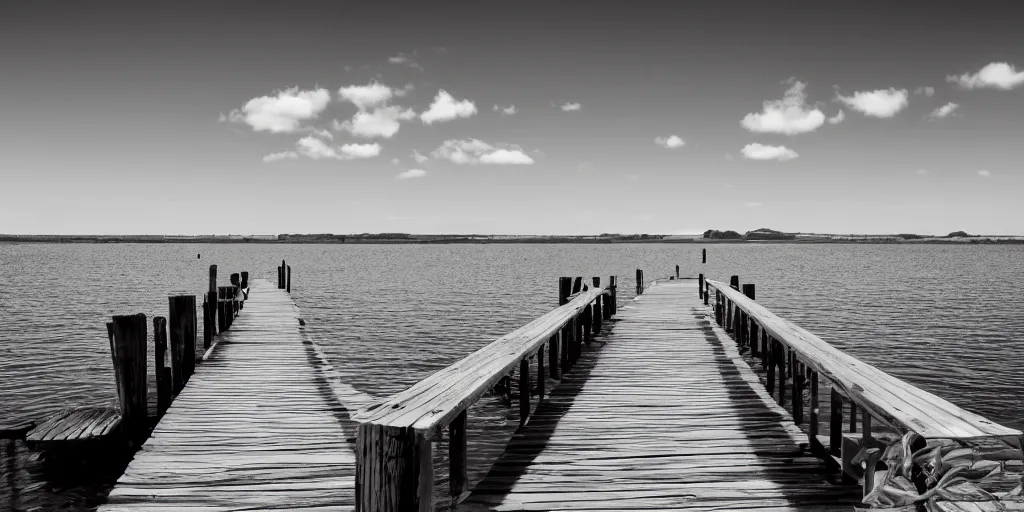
x,y
182,319
289,286
524,390
458,459
394,469
284,266
770,362
540,374
835,423
798,388
706,294
163,372
208,326
212,297
700,287
245,280
553,358
613,283
749,290
130,346
781,358
813,425
734,282
587,318
566,339
598,308
564,290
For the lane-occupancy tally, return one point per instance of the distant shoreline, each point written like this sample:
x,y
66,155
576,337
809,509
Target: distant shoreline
x,y
477,239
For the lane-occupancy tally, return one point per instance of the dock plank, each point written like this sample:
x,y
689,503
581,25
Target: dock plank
x,y
256,427
664,415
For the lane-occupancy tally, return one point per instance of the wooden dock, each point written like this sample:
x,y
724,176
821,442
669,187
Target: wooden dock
x,y
664,415
256,427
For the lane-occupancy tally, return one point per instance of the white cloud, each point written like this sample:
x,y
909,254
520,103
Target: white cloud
x,y
473,151
418,157
366,96
838,118
412,173
878,103
445,108
945,110
283,112
571,107
401,58
381,122
360,150
507,111
283,155
671,142
790,115
926,90
757,151
317,149
984,174
997,75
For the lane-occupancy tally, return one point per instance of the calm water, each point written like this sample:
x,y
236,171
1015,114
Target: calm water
x,y
947,318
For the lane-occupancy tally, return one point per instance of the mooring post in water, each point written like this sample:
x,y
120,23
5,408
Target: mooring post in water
x,y
677,271
639,281
553,358
222,321
704,255
564,290
734,283
289,287
284,267
163,370
458,456
182,318
212,296
748,290
700,286
245,280
208,327
613,283
235,279
130,356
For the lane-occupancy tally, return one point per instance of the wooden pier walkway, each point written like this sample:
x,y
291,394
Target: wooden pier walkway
x,y
665,415
256,427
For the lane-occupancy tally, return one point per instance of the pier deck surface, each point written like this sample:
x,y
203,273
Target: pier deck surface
x,y
255,428
665,415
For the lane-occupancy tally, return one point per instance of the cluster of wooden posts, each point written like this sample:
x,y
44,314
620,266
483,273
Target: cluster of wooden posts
x,y
782,365
284,277
128,336
565,349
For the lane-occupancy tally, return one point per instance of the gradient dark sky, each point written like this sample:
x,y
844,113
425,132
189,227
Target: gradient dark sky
x,y
109,117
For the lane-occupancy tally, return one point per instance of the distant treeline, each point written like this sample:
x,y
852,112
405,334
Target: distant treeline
x,y
757,234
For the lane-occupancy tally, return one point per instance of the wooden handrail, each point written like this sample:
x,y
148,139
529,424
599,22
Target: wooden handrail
x,y
899,404
394,453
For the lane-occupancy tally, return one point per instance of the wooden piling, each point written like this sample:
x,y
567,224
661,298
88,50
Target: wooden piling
x,y
613,283
458,456
677,271
245,280
234,279
208,325
163,370
598,310
553,357
577,284
704,255
813,419
222,316
700,286
130,347
564,290
748,290
734,282
212,296
284,267
289,285
540,374
182,319
639,281
835,423
394,469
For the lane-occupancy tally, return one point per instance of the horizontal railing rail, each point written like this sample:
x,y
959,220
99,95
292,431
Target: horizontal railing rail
x,y
786,349
394,454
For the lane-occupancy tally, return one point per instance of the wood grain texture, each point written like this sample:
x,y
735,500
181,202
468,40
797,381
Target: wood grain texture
x,y
255,428
897,403
663,414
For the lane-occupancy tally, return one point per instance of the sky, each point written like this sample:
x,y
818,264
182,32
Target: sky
x,y
511,117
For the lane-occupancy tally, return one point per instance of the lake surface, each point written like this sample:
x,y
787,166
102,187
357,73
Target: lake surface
x,y
947,318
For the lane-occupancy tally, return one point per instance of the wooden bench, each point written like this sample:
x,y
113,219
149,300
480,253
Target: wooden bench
x,y
393,449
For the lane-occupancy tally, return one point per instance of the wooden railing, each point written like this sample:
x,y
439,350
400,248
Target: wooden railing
x,y
394,464
783,346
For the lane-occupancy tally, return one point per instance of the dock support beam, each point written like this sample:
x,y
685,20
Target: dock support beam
x,y
704,255
129,342
394,470
163,370
212,297
182,319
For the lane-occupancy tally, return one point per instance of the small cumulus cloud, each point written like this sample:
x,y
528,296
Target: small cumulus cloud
x,y
476,151
790,115
283,155
360,150
381,122
838,118
446,108
418,157
406,60
282,112
881,103
984,173
997,75
926,90
758,151
944,111
411,173
670,142
571,107
506,111
366,96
